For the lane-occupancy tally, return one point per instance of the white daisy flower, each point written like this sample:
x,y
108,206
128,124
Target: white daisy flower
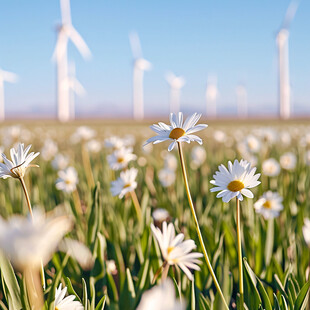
x,y
235,181
271,167
252,143
120,158
82,134
114,143
220,136
269,205
126,183
66,303
20,162
306,231
170,161
166,177
60,162
175,251
288,161
111,267
177,131
67,180
79,251
93,146
198,155
27,242
49,149
161,297
160,215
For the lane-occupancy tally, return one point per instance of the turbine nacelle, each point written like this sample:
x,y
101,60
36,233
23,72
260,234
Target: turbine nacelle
x,y
142,64
175,82
6,76
282,36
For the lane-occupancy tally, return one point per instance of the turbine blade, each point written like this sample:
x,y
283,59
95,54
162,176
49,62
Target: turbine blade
x,y
79,42
60,47
135,45
78,88
170,77
9,76
290,14
65,12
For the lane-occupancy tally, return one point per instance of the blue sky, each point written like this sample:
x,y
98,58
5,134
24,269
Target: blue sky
x,y
234,40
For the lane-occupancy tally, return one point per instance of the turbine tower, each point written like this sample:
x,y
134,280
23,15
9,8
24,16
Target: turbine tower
x,y
176,83
75,88
242,101
5,76
66,32
211,96
283,62
139,66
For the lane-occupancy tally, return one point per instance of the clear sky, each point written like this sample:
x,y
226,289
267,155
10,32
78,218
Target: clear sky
x,y
234,40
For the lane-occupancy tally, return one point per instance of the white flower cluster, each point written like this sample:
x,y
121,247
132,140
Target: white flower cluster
x,y
119,159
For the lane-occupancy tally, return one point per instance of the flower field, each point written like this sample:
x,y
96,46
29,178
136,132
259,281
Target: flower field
x,y
101,219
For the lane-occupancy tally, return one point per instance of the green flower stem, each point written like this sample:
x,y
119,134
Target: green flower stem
x,y
87,166
239,253
77,202
165,271
197,227
30,211
26,195
136,204
34,290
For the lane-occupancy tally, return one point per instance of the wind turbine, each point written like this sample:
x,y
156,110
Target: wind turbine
x,y
283,61
211,96
75,88
139,66
66,32
5,76
242,101
176,83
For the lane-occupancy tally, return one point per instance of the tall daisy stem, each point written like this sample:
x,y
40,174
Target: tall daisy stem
x,y
239,253
197,227
21,179
136,204
87,166
26,195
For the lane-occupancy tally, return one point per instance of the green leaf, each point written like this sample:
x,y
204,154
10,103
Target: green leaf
x,y
284,303
301,296
8,276
251,295
269,241
291,290
276,302
85,297
282,291
203,303
193,302
101,303
263,294
128,294
70,289
93,217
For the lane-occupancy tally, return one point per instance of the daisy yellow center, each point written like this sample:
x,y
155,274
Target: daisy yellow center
x,y
176,133
67,182
56,308
127,185
169,250
235,186
267,205
120,160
